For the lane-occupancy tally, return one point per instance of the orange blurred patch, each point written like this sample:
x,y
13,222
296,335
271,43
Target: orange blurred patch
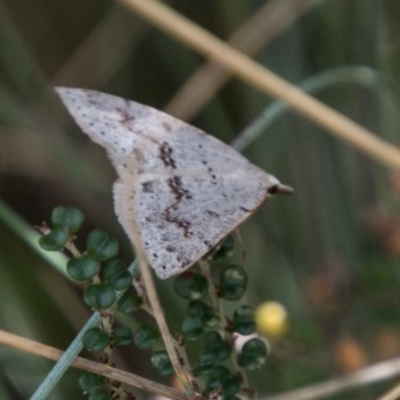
x,y
350,355
176,383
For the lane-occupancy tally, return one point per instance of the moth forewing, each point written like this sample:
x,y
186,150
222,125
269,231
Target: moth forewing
x,y
179,189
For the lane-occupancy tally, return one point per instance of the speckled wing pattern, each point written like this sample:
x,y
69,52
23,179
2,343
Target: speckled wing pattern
x,y
183,189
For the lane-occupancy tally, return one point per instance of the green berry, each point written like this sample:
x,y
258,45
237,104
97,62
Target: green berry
x,y
243,320
146,336
233,282
122,336
129,302
225,251
253,355
222,379
214,344
95,339
55,240
99,395
99,296
192,327
83,268
68,218
191,286
162,363
102,246
89,382
205,364
116,273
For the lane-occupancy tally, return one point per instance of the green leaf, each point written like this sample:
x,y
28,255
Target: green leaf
x,y
233,282
95,339
146,336
190,285
162,363
102,246
116,273
55,240
68,218
83,268
99,296
243,320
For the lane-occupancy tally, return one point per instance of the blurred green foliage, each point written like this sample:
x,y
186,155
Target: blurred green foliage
x,y
330,253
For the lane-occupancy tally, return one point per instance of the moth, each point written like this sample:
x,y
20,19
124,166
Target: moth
x,y
183,190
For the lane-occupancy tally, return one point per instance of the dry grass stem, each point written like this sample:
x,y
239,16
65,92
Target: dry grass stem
x,y
52,353
158,313
392,394
151,293
266,81
268,22
371,374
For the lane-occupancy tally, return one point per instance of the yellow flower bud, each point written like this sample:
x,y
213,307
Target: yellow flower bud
x,y
272,319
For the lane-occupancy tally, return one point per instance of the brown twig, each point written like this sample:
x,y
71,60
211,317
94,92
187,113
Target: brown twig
x,y
158,313
151,293
264,80
33,347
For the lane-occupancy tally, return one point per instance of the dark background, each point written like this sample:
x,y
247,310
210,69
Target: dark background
x,y
329,254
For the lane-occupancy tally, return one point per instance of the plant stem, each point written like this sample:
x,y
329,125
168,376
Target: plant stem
x,y
162,323
215,301
51,353
202,41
